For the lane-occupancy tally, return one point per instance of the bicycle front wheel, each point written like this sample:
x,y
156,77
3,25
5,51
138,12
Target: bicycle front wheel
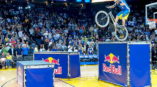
x,y
121,33
102,18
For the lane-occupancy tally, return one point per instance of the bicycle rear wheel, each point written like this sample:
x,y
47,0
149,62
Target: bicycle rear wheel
x,y
121,33
102,18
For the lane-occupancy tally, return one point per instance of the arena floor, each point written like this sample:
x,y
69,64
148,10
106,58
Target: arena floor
x,y
89,78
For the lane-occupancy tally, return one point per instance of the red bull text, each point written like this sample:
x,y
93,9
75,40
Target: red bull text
x,y
112,59
58,70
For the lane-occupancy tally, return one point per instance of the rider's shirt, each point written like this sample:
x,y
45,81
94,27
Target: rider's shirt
x,y
123,7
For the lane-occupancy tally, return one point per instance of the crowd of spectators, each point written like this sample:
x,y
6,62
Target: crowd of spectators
x,y
27,28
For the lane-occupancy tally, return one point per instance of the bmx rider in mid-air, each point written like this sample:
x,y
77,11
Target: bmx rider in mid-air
x,y
123,14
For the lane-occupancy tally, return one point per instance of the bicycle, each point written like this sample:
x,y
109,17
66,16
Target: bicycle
x,y
102,19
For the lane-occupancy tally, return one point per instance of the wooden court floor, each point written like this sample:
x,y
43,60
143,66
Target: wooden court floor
x,y
89,78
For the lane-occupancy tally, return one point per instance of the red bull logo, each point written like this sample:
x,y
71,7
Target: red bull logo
x,y
52,60
112,59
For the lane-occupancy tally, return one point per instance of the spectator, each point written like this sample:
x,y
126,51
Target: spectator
x,y
12,51
5,49
35,49
41,48
25,50
3,60
75,49
18,52
70,48
90,50
84,49
20,33
9,61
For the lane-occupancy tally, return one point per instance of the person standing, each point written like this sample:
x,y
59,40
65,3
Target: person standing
x,y
9,60
12,51
19,52
3,60
25,50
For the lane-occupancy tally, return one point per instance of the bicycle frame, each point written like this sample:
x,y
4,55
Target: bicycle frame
x,y
111,16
